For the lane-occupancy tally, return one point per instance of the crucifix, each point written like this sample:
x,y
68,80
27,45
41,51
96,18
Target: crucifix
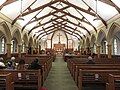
x,y
59,37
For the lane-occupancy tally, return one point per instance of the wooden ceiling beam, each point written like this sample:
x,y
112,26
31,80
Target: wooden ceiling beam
x,y
111,3
47,31
35,27
59,27
58,30
7,2
36,9
41,7
75,30
86,19
47,15
82,20
26,10
54,25
68,29
46,28
74,24
72,33
103,21
79,8
71,15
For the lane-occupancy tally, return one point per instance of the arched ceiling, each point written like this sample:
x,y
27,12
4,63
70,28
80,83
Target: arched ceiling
x,y
74,17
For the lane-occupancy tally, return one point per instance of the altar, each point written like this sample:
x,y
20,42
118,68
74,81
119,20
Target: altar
x,y
59,49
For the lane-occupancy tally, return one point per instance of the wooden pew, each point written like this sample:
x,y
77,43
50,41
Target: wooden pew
x,y
6,81
43,60
72,56
88,76
113,82
95,67
30,79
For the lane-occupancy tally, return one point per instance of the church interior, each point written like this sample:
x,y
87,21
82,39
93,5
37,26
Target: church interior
x,y
46,44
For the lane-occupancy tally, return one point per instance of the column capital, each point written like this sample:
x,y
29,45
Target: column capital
x,y
98,46
20,45
9,44
109,45
26,47
91,47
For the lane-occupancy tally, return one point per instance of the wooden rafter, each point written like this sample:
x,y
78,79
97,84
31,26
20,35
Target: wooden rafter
x,y
75,17
86,19
47,31
58,30
79,8
67,28
60,27
109,2
74,24
47,15
75,29
44,24
71,15
35,17
72,32
104,22
7,2
35,9
49,28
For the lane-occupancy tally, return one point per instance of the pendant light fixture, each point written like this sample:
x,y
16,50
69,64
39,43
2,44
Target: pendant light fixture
x,y
20,16
96,16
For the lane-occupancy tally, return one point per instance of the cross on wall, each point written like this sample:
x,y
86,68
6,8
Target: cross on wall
x,y
59,37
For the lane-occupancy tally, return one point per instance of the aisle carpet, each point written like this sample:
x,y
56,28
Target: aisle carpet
x,y
59,77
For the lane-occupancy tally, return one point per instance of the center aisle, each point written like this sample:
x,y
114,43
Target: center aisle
x,y
59,77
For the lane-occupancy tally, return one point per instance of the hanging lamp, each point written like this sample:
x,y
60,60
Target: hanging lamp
x,y
20,16
96,16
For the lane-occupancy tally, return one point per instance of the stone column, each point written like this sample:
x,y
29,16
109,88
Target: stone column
x,y
91,50
36,50
26,51
8,50
82,51
98,51
19,50
109,51
32,50
87,51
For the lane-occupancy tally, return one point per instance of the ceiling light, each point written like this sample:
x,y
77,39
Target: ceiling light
x,y
96,16
20,16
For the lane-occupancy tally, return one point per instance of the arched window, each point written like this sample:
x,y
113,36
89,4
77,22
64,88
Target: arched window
x,y
3,45
70,43
115,46
23,47
12,46
106,47
94,49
